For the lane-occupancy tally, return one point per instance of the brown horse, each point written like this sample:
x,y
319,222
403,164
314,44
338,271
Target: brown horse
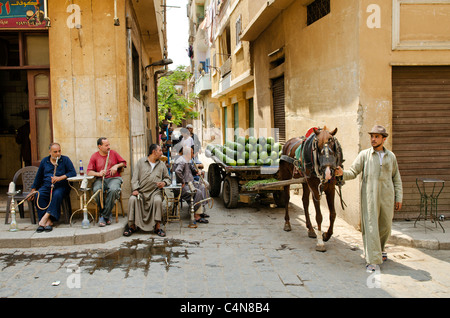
x,y
320,155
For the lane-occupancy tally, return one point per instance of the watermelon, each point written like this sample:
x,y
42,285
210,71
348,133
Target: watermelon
x,y
274,155
241,162
262,140
251,162
263,155
270,140
241,140
253,155
252,140
276,147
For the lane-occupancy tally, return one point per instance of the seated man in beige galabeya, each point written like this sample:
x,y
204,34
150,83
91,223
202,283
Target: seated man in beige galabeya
x,y
105,165
145,206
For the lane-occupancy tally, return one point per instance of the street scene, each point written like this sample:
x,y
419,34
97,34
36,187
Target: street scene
x,y
209,150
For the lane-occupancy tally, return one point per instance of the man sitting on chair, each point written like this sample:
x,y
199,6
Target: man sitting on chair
x,y
185,175
105,165
52,186
145,206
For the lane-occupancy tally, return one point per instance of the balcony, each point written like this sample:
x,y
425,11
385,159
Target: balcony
x,y
203,84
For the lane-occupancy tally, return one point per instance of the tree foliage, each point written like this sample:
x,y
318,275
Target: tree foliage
x,y
180,105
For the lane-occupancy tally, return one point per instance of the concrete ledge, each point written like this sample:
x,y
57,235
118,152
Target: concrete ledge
x,y
62,235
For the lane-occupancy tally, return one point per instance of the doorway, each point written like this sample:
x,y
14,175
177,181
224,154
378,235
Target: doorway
x,y
25,103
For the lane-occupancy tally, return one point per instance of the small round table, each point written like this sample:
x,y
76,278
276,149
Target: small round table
x,y
429,199
85,224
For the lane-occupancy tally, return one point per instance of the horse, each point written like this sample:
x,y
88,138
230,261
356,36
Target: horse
x,y
316,162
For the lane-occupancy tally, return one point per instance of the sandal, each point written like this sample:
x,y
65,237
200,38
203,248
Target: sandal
x,y
202,220
384,256
129,230
101,222
108,221
371,268
160,232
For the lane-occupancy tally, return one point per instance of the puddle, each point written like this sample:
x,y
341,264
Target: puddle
x,y
133,255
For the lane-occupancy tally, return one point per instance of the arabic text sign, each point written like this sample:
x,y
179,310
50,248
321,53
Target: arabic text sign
x,y
21,14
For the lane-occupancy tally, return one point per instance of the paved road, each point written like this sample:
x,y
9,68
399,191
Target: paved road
x,y
241,253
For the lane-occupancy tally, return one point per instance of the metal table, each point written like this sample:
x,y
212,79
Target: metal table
x,y
429,200
174,214
85,224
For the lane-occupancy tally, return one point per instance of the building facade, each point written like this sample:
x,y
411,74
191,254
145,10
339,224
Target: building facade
x,y
339,63
79,70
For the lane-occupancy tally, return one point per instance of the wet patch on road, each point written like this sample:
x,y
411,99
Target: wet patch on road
x,y
132,255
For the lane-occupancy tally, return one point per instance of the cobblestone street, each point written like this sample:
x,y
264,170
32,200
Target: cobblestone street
x,y
241,253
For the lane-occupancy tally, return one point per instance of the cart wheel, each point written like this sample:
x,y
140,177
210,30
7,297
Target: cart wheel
x,y
280,198
214,179
230,192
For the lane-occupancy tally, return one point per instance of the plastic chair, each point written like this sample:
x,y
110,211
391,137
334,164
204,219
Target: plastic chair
x,y
27,176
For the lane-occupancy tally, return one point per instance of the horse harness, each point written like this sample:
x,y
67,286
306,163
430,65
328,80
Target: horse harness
x,y
308,156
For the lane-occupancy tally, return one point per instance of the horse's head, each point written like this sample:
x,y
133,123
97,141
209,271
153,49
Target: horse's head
x,y
328,152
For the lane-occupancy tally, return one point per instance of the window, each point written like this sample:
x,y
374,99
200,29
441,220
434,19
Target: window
x,y
238,30
24,49
251,118
317,10
136,75
236,120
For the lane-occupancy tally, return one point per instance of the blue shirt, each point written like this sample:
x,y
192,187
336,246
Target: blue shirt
x,y
46,169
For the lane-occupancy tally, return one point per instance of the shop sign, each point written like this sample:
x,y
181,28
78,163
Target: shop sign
x,y
22,14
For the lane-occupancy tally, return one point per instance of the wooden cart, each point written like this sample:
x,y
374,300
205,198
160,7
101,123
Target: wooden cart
x,y
236,182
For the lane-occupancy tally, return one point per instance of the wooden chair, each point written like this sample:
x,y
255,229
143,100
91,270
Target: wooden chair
x,y
118,201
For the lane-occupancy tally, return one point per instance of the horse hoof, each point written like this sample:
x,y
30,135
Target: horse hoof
x,y
287,227
312,234
321,248
326,237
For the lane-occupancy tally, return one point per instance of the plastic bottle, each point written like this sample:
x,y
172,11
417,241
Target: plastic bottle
x,y
81,168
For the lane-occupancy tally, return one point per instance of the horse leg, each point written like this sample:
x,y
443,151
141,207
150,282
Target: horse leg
x,y
320,246
287,224
330,201
305,199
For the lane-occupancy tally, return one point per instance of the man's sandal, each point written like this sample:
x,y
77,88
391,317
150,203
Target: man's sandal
x,y
370,268
160,232
384,256
129,230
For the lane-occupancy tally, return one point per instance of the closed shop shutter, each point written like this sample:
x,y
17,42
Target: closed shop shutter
x,y
421,132
279,113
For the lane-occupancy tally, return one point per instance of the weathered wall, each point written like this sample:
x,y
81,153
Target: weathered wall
x,y
321,77
89,79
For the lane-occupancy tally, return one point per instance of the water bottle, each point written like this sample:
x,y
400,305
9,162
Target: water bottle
x,y
81,168
174,179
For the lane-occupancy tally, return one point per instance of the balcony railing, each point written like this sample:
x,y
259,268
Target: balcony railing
x,y
203,84
225,68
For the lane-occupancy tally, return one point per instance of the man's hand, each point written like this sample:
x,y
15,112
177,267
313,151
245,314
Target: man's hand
x,y
135,193
160,184
338,172
31,196
57,179
398,206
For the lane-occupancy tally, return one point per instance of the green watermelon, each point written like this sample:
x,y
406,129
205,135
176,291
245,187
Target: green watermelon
x,y
274,155
263,155
252,140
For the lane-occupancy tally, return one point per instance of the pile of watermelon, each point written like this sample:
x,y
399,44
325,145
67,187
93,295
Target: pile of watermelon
x,y
249,151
